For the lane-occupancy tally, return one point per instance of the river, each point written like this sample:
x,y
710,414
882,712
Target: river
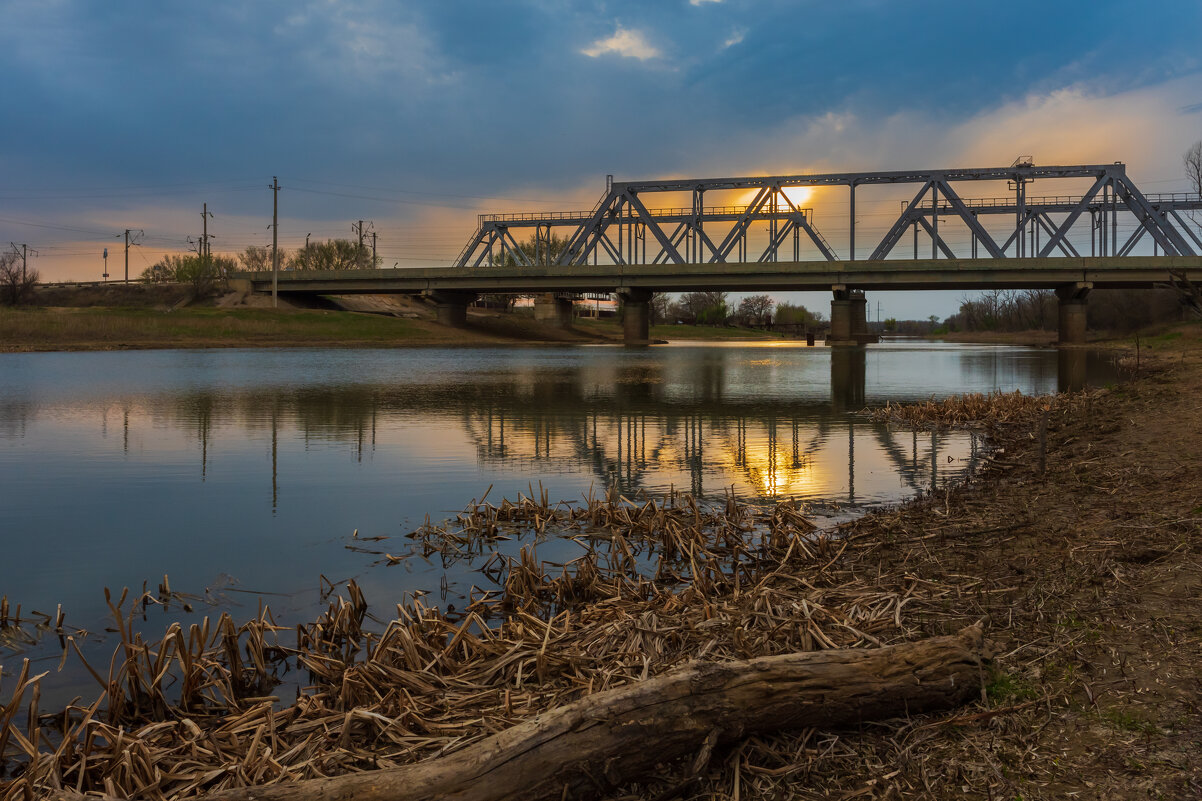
x,y
242,474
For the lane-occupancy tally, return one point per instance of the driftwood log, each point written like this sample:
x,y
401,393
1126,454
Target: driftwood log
x,y
621,735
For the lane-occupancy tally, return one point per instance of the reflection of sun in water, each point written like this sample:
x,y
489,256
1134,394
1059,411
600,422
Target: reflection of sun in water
x,y
770,471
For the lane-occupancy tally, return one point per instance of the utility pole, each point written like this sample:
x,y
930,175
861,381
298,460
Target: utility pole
x,y
275,241
205,251
135,242
24,250
373,250
360,232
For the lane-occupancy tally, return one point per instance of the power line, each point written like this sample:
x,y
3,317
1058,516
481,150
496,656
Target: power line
x,y
149,191
431,194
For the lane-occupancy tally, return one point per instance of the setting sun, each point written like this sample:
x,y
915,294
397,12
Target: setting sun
x,y
797,195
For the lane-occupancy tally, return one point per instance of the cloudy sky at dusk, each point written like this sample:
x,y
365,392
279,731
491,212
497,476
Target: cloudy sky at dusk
x,y
419,115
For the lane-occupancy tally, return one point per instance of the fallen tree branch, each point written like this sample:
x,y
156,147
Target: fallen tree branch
x,y
623,734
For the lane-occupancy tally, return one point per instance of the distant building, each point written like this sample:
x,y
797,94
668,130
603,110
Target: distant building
x,y
597,306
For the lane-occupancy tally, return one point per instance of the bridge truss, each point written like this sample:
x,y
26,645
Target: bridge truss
x,y
624,228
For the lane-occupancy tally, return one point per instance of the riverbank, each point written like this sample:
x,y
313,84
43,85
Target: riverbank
x,y
1047,339
1081,555
1036,338
1083,558
163,321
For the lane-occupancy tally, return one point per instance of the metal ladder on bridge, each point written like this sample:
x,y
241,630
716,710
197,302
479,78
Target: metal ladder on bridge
x,y
471,243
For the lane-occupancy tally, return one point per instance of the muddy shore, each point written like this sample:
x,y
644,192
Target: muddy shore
x,y
1084,562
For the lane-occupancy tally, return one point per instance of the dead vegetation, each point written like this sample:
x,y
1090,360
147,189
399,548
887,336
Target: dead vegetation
x,y
964,411
660,582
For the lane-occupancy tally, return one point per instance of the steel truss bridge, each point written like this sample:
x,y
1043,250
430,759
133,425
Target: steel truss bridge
x,y
1071,242
626,227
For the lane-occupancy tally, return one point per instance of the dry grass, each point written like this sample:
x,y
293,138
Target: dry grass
x,y
104,327
964,411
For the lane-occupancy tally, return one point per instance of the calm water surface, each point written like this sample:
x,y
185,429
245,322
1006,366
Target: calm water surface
x,y
242,473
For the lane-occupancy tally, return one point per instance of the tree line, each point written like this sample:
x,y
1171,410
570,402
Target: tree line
x,y
205,272
714,308
1038,310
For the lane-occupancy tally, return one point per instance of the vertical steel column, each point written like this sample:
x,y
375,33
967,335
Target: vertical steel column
x,y
1105,211
1020,203
630,245
621,211
772,225
1114,219
691,239
934,220
851,238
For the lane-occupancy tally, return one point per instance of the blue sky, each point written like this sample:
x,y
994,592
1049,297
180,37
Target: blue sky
x,y
417,116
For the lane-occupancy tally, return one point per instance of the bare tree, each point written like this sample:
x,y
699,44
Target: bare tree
x,y
659,307
257,258
16,282
1193,166
1188,292
755,310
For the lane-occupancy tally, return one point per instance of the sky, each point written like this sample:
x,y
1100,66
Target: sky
x,y
417,116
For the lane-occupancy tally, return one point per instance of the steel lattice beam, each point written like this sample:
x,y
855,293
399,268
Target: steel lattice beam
x,y
625,229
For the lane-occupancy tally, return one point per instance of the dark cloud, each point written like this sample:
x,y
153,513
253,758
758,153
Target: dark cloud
x,y
488,98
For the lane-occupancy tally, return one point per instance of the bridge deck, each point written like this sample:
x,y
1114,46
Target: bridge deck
x,y
964,274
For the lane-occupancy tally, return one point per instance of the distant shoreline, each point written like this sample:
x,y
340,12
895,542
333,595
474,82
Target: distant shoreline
x,y
104,328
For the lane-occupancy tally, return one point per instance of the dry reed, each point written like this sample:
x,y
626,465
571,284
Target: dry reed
x,y
963,411
659,582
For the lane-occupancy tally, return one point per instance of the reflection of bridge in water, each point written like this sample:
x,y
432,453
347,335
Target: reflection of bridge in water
x,y
773,452
692,421
632,440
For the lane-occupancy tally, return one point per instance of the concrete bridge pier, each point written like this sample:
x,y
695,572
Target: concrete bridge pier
x,y
636,316
555,309
452,306
849,317
1072,312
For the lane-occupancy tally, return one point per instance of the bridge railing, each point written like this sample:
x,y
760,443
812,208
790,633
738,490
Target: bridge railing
x,y
1177,199
681,211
